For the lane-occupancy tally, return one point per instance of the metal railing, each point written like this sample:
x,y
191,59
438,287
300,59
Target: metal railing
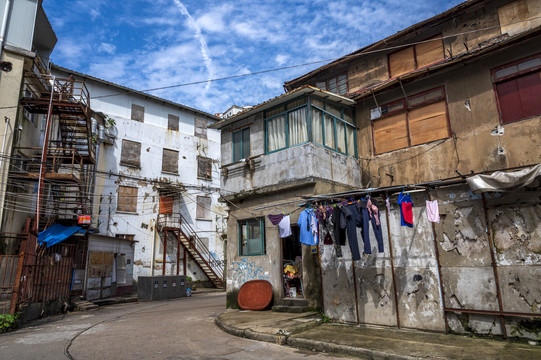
x,y
177,221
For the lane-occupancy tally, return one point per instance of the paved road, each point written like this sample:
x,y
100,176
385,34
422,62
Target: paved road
x,y
179,329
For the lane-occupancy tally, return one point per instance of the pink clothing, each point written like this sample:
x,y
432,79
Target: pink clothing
x,y
432,211
373,210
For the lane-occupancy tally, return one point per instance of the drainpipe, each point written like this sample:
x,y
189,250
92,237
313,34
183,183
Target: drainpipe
x,y
4,26
4,144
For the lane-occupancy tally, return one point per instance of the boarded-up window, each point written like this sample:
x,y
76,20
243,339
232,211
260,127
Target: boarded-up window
x,y
429,52
130,153
414,57
391,133
200,128
172,122
401,62
166,205
127,199
518,87
203,208
170,161
423,118
137,112
204,168
514,17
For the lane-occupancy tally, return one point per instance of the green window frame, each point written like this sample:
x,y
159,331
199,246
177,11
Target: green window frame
x,y
331,128
241,144
251,237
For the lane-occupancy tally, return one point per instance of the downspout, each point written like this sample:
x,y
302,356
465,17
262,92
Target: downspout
x,y
4,144
4,26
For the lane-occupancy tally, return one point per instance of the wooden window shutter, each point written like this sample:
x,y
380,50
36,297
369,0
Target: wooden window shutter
x,y
172,122
401,62
203,207
200,128
170,161
127,199
137,112
514,17
166,205
130,153
429,52
204,168
391,133
428,123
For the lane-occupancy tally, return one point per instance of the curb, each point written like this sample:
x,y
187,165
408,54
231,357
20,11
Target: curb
x,y
307,344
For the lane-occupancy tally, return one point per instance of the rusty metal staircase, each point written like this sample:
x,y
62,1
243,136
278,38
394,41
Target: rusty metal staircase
x,y
186,236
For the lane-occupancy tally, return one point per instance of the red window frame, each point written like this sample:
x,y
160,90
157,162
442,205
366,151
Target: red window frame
x,y
335,78
508,94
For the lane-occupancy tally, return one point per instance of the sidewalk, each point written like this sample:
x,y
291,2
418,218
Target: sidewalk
x,y
305,331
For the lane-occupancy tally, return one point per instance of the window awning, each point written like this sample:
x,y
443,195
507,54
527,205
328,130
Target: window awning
x,y
58,233
504,181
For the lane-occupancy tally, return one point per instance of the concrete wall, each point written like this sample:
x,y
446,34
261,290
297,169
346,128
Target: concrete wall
x,y
467,274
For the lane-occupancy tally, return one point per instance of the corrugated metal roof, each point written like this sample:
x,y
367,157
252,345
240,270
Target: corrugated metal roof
x,y
133,91
303,90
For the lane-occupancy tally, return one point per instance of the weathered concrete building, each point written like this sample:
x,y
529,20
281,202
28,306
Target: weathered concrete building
x,y
156,187
269,155
445,99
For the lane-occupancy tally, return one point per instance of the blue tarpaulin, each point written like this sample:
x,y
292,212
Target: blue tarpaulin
x,y
57,233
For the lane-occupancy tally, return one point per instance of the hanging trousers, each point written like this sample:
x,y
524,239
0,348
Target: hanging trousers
x,y
353,220
365,216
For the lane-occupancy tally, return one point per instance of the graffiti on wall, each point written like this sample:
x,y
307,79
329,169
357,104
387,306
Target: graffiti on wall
x,y
243,271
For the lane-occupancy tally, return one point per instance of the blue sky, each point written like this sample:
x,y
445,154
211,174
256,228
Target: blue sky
x,y
145,44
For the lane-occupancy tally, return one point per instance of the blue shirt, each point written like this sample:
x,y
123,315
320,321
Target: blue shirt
x,y
306,236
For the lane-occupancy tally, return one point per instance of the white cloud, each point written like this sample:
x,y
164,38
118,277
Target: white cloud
x,y
281,59
107,48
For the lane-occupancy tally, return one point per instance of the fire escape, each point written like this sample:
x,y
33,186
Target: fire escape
x,y
173,227
63,166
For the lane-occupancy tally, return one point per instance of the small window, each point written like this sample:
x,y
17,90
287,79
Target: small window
x,y
170,161
251,237
127,199
518,88
337,85
137,112
200,129
125,236
130,153
204,168
203,208
172,122
241,144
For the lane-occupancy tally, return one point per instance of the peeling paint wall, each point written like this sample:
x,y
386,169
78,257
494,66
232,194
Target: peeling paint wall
x,y
154,136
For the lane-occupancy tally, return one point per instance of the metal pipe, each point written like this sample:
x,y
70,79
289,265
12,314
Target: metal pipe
x,y
4,26
392,268
442,291
494,266
489,312
44,156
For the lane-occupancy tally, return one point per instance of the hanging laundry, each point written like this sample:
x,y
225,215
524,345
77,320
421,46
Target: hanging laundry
x,y
339,232
350,219
285,227
275,219
406,209
433,211
370,215
314,227
306,233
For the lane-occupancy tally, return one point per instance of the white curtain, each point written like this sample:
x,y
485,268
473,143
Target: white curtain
x,y
298,129
276,133
329,131
317,126
351,140
341,136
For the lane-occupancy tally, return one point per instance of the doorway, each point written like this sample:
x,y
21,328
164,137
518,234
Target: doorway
x,y
292,265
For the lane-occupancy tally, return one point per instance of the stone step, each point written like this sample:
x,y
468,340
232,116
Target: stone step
x,y
289,309
292,302
85,306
